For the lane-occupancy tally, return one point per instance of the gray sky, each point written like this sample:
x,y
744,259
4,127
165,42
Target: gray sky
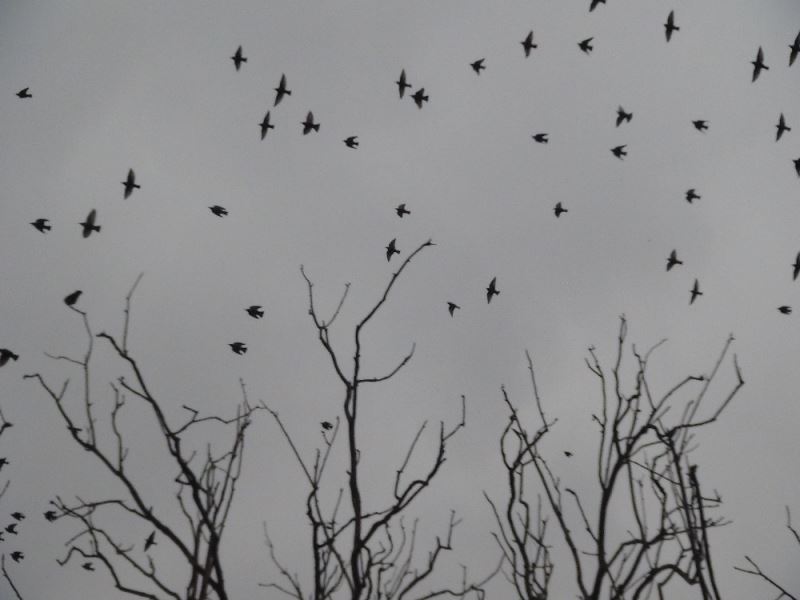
x,y
150,85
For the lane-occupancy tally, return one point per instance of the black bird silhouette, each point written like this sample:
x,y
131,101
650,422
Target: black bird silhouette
x,y
12,528
619,151
327,425
88,225
700,125
670,26
796,162
567,453
309,124
419,97
692,195
42,225
795,50
88,566
351,142
5,355
130,183
72,298
50,515
451,307
24,93
586,45
150,541
559,209
255,311
695,291
265,126
238,59
391,249
623,116
402,210
594,4
281,90
238,347
492,290
220,211
758,64
786,310
17,555
673,260
541,138
781,127
527,44
18,516
3,461
796,267
478,65
402,84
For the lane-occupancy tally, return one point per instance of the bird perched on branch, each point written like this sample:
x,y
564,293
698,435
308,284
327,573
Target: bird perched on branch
x,y
42,225
238,347
88,225
281,90
392,249
72,298
238,59
492,290
130,184
255,311
5,356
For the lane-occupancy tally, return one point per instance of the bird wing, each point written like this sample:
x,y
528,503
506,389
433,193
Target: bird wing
x,y
92,216
796,271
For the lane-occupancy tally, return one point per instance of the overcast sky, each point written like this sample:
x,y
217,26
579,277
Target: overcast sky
x,y
150,85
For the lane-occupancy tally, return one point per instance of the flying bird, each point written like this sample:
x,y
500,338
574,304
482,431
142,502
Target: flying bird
x,y
265,126
402,84
452,307
17,555
786,310
255,311
281,90
88,225
150,541
796,162
327,425
477,66
586,45
623,116
567,453
3,461
700,125
670,26
795,50
692,195
402,210
42,225
758,64
238,59
351,142
541,138
594,4
796,267
527,44
12,528
130,183
673,260
18,516
72,298
309,124
88,566
695,291
419,97
492,290
619,151
391,249
238,347
558,210
50,515
781,127
5,356
220,211
24,93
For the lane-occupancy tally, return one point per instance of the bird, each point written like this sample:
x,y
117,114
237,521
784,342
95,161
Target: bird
x,y
88,566
309,124
5,356
586,45
796,267
42,225
758,64
72,298
238,347
50,515
255,311
452,307
623,116
786,310
327,425
478,65
673,260
238,59
492,290
558,210
402,84
17,556
700,125
130,183
281,90
692,195
619,151
695,291
402,210
24,93
781,127
567,453
220,211
419,97
527,44
351,142
18,516
12,528
150,541
391,249
796,162
670,26
594,4
3,461
88,225
265,126
795,49
541,138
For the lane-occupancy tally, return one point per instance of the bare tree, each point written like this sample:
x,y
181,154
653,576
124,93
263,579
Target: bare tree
x,y
206,484
359,552
643,469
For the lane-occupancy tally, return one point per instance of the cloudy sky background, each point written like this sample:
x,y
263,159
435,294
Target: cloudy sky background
x,y
150,85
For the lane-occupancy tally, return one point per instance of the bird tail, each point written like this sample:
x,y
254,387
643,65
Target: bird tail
x,y
47,227
137,186
96,227
315,127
